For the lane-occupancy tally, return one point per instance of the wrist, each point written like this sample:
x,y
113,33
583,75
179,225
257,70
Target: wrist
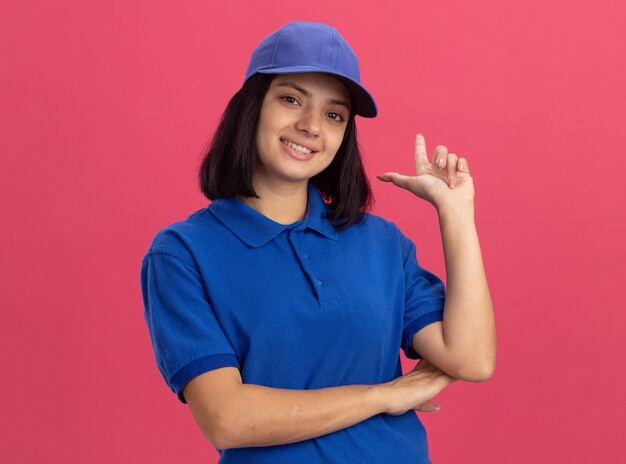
x,y
454,211
376,396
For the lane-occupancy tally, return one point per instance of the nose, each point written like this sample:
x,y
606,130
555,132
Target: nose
x,y
309,122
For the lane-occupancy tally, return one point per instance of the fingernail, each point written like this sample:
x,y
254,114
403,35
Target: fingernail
x,y
440,162
385,178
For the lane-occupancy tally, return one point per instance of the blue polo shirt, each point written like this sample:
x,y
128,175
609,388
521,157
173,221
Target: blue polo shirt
x,y
298,306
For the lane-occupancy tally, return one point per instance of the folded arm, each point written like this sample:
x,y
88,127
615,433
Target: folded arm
x,y
233,414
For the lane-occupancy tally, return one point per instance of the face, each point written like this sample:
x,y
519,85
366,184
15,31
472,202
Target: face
x,y
302,123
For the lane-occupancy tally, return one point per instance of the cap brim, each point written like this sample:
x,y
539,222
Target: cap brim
x,y
363,103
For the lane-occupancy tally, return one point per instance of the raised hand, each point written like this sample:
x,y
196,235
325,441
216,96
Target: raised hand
x,y
446,180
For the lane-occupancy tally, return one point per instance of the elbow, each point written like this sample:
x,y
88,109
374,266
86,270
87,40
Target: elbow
x,y
481,375
210,397
221,434
214,428
218,440
222,445
476,373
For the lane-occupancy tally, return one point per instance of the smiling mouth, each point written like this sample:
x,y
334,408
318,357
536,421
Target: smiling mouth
x,y
297,148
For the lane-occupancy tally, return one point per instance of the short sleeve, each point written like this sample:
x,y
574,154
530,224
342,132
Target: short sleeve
x,y
425,295
185,333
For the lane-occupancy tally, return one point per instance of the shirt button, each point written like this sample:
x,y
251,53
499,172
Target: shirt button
x,y
318,281
305,256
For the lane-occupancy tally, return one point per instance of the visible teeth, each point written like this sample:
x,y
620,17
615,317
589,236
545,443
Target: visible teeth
x,y
295,146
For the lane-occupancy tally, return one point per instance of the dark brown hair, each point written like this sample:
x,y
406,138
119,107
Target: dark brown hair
x,y
228,164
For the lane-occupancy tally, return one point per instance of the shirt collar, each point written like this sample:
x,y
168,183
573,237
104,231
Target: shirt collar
x,y
255,229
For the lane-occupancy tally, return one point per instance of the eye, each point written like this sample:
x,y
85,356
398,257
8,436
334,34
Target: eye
x,y
337,117
289,99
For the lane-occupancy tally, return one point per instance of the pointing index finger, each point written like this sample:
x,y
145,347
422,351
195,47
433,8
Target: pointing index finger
x,y
421,157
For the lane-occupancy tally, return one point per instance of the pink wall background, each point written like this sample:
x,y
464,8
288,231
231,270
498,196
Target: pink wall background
x,y
106,107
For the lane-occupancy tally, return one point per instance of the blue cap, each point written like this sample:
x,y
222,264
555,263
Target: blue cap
x,y
300,47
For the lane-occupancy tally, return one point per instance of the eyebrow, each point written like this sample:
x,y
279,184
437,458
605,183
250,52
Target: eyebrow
x,y
306,93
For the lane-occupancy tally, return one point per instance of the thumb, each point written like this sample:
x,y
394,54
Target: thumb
x,y
397,179
428,406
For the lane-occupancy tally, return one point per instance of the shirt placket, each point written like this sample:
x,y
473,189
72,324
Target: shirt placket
x,y
304,257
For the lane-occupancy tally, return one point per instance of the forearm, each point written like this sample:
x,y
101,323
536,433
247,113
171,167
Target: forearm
x,y
469,325
263,416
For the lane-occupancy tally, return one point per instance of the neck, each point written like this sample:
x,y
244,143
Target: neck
x,y
284,204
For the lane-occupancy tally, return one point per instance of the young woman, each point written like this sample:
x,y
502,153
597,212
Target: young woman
x,y
278,312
